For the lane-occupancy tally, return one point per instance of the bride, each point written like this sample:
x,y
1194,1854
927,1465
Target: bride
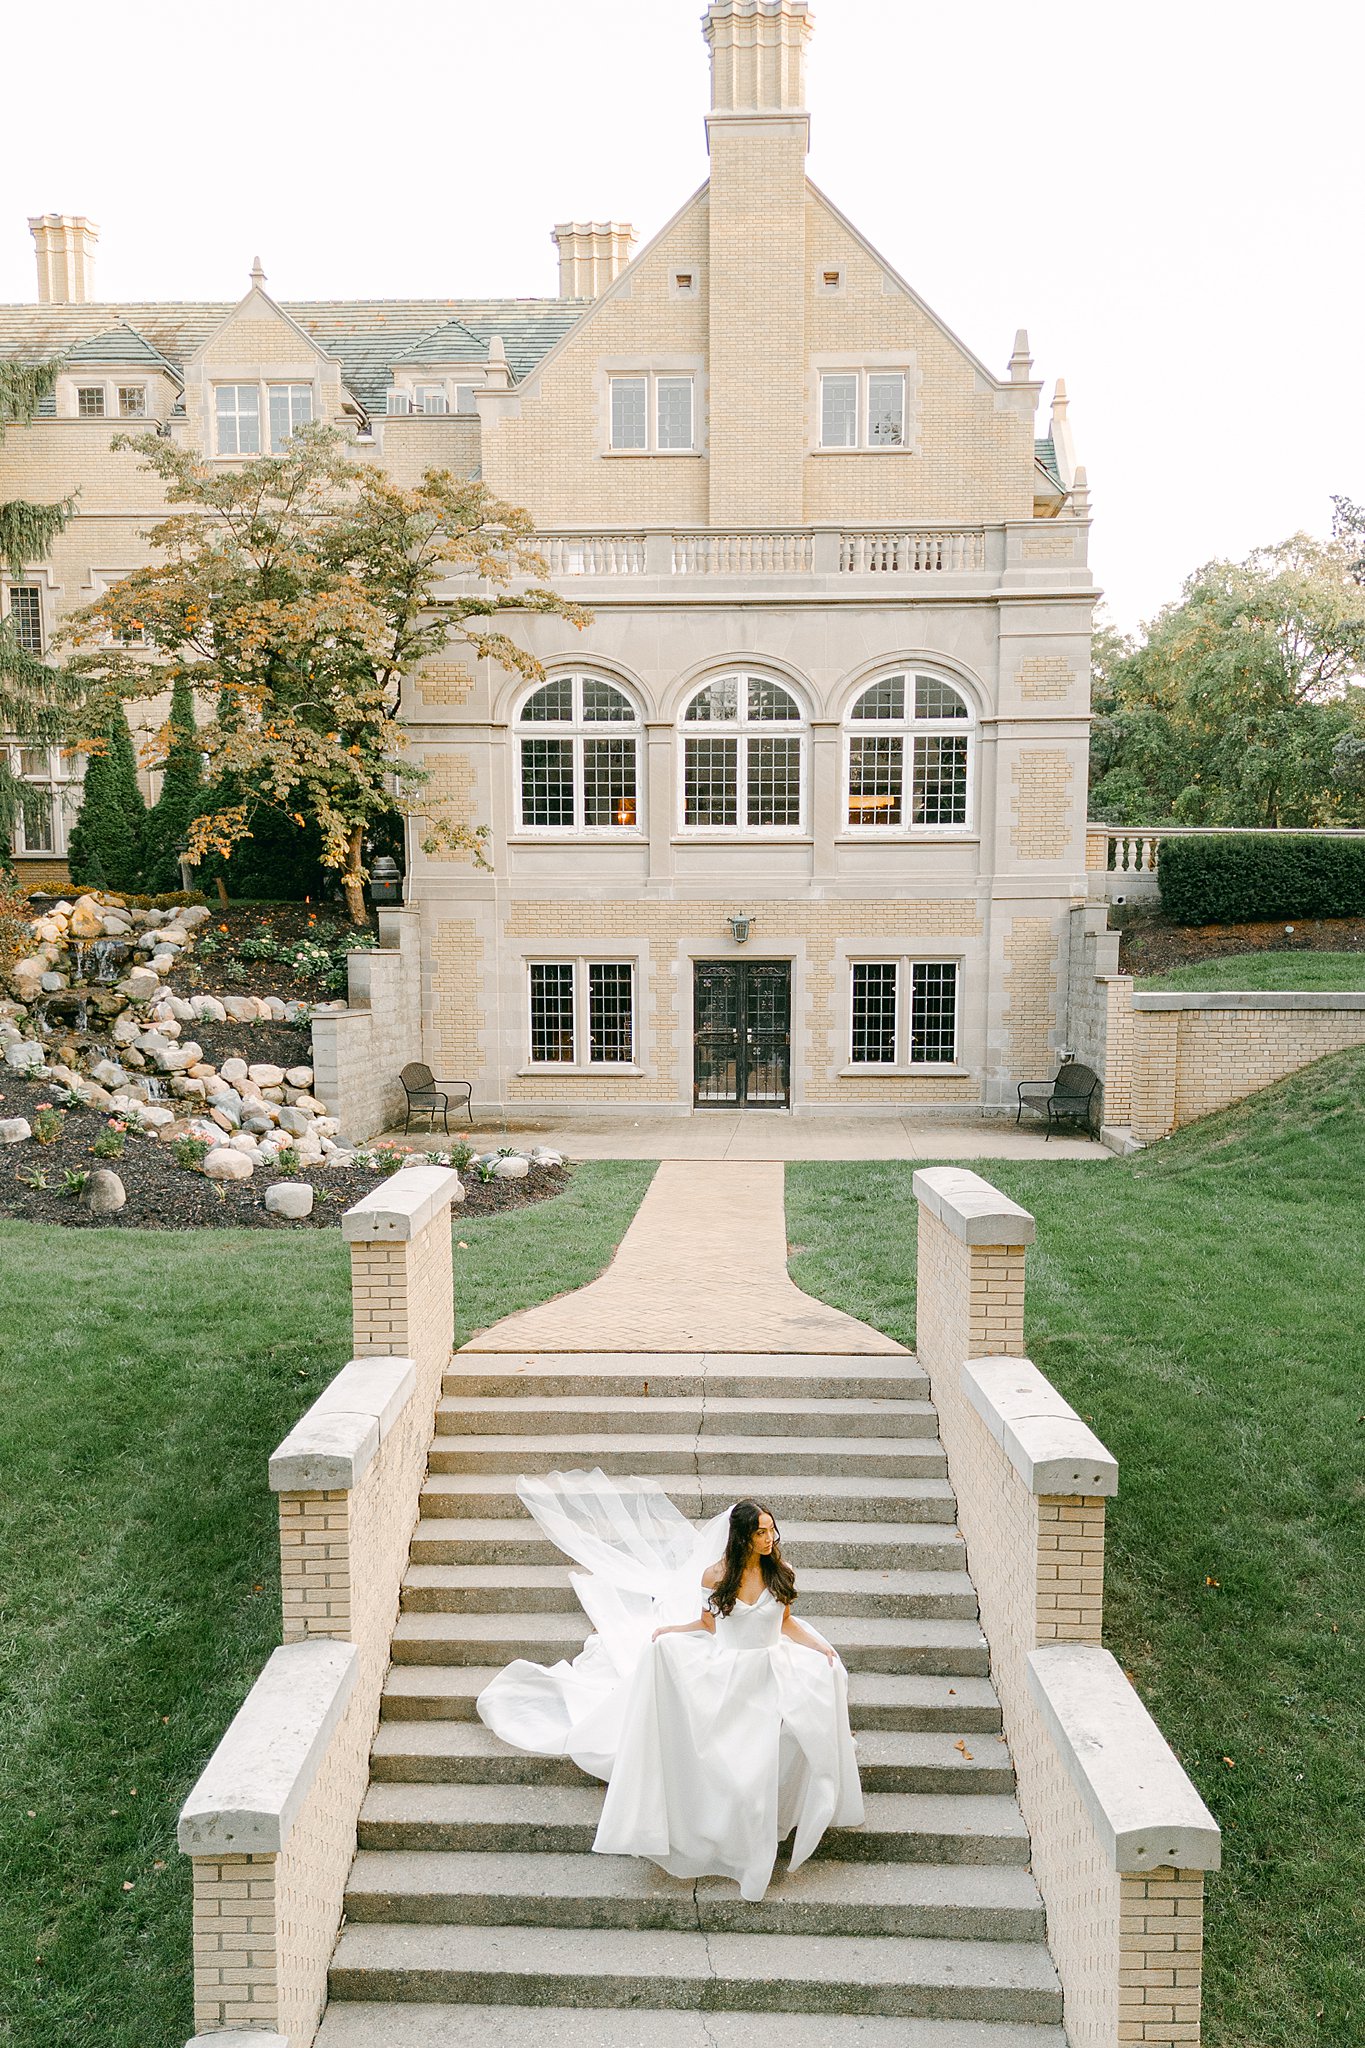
x,y
719,1731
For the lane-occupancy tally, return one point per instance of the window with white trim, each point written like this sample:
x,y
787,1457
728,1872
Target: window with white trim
x,y
48,797
25,612
910,741
578,757
743,757
903,1013
862,409
653,412
430,398
581,1013
132,401
237,408
291,406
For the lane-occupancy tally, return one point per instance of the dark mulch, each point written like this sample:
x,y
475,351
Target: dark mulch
x,y
1151,943
163,1195
287,924
282,1045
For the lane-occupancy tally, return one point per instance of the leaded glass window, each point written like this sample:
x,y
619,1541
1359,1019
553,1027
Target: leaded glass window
x,y
903,1013
582,1012
874,1013
749,777
611,1012
26,616
573,775
291,406
238,411
552,1013
910,749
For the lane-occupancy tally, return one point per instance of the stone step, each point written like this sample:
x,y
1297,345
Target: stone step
x,y
961,1902
898,1976
889,1760
680,1375
900,1827
876,1699
385,2025
528,1588
911,1546
832,1496
866,1643
708,1457
762,1415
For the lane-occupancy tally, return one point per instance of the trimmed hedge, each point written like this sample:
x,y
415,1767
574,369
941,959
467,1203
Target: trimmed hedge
x,y
1250,878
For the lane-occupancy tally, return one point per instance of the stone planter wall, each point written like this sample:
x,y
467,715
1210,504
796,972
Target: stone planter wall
x,y
359,1051
1120,1837
271,1824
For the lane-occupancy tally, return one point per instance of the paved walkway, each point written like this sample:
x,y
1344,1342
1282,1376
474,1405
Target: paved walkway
x,y
703,1267
767,1134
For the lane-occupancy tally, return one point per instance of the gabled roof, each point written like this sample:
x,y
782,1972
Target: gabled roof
x,y
1045,455
466,340
367,336
122,345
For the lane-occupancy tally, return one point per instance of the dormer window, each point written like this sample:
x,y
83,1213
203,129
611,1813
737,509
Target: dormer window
x,y
90,401
132,401
430,398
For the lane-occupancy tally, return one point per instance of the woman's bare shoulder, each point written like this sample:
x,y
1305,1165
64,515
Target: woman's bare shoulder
x,y
714,1573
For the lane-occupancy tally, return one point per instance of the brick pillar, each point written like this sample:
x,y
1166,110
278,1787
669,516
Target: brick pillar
x,y
402,1278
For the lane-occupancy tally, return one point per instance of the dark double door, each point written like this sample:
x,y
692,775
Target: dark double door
x,y
742,1011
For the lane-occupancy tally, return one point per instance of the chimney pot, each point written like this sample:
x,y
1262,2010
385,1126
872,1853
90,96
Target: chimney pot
x,y
758,55
591,254
65,247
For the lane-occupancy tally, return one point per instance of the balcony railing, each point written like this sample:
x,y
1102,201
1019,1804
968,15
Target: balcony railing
x,y
802,551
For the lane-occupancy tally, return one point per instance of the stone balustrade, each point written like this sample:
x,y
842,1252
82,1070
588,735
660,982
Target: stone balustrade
x,y
798,551
919,552
1128,856
1120,1837
271,1824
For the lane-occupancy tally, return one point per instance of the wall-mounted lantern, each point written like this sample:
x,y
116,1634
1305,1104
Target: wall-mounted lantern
x,y
739,928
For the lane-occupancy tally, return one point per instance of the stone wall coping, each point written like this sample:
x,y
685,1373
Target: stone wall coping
x,y
1249,999
971,1208
1145,1809
1044,1438
401,1206
252,1787
331,1444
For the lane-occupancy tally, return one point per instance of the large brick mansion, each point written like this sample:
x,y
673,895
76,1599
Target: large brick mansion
x,y
799,818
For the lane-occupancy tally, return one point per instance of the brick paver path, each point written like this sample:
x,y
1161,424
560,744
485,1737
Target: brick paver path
x,y
702,1267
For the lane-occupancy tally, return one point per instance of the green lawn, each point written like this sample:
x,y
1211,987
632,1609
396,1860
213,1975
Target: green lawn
x,y
1300,969
1199,1304
145,1377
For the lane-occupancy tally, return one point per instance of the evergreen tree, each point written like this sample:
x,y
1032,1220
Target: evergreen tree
x,y
181,799
31,693
105,848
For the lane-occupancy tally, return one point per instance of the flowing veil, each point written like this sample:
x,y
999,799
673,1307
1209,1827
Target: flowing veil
x,y
642,1563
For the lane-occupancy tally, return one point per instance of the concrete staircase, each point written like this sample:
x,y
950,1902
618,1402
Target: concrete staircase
x,y
477,1916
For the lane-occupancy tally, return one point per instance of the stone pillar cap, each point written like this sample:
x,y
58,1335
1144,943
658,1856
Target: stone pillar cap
x,y
971,1208
401,1206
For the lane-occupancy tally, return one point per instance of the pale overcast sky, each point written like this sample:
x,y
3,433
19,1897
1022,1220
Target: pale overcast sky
x,y
1166,194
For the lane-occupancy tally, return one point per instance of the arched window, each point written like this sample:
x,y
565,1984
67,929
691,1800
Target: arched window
x,y
578,762
910,743
743,765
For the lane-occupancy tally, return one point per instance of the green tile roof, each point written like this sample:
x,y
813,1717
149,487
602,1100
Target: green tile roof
x,y
368,336
1046,455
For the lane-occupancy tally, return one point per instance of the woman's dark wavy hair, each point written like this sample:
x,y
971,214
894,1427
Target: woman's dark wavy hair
x,y
778,1576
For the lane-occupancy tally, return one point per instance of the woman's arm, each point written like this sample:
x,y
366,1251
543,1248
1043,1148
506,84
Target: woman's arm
x,y
792,1627
704,1625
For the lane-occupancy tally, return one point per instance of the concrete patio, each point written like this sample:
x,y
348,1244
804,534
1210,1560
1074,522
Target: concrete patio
x,y
757,1134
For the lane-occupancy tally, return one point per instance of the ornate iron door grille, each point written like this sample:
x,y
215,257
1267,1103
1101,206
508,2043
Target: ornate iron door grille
x,y
742,1034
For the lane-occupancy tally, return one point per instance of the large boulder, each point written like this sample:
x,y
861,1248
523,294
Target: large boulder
x,y
208,1010
86,920
26,978
243,1009
513,1168
291,1198
140,984
266,1075
108,1073
543,1155
299,1077
225,1164
234,1071
104,1193
192,915
295,1122
14,1130
24,1058
152,1116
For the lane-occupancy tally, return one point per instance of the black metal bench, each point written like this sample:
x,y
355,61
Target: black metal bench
x,y
424,1092
1070,1098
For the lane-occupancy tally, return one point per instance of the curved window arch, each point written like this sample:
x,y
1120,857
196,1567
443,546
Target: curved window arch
x,y
578,757
910,741
743,757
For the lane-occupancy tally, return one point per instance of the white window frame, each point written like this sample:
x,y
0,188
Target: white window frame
x,y
904,1061
577,729
580,966
130,391
908,729
742,729
292,385
238,385
431,396
7,590
262,386
102,388
652,379
62,788
864,368
102,580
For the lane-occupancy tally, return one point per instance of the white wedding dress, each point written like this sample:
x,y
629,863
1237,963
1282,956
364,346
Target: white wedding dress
x,y
715,1747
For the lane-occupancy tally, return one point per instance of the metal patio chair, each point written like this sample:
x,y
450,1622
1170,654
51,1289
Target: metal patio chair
x,y
424,1092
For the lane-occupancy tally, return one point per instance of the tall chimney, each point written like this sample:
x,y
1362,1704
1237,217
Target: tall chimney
x,y
591,254
65,247
757,134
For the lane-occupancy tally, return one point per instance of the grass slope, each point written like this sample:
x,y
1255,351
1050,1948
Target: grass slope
x,y
1198,1304
1301,969
145,1377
